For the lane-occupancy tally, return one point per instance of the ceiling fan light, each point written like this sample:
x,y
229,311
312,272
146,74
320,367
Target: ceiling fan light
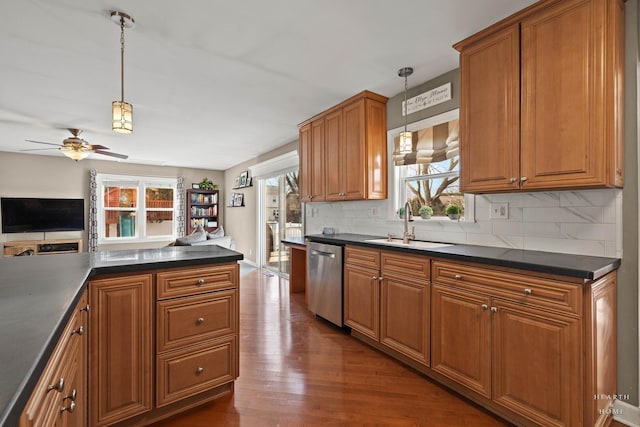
x,y
122,117
406,142
74,154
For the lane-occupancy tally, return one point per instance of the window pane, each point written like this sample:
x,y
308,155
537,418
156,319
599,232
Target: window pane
x,y
119,224
120,197
159,223
438,193
158,198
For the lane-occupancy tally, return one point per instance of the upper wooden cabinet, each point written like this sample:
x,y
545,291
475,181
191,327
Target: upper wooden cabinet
x,y
542,99
343,151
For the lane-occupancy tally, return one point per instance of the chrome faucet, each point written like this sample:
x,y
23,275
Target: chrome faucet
x,y
406,236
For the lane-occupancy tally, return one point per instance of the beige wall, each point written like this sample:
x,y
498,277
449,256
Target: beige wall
x,y
25,175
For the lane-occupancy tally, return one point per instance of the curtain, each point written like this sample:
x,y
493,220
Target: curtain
x,y
93,212
430,145
180,214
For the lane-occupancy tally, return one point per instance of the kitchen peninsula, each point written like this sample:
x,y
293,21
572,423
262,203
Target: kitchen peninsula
x,y
41,296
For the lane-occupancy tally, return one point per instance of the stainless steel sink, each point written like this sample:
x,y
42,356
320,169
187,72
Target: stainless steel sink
x,y
418,244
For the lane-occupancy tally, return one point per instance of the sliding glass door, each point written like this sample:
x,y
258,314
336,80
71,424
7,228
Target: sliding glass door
x,y
280,216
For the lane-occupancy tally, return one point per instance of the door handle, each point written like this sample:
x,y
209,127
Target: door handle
x,y
322,253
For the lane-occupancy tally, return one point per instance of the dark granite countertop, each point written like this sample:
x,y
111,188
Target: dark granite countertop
x,y
37,297
579,266
294,241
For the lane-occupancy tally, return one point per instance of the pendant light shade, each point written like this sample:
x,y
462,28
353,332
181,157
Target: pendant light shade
x,y
75,153
121,111
406,138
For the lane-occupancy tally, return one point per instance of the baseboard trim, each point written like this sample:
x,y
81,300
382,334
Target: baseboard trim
x,y
249,263
626,414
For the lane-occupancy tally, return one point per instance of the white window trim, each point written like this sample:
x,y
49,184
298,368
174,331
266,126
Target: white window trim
x,y
394,180
142,182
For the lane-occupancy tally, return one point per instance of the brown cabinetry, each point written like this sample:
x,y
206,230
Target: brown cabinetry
x,y
202,209
120,348
353,165
387,299
196,331
542,99
519,340
60,397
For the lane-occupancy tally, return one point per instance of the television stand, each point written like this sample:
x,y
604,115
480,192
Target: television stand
x,y
42,247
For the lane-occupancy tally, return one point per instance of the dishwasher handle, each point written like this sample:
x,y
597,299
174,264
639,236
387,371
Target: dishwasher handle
x,y
323,253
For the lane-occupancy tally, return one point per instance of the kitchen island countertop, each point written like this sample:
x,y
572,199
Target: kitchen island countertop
x,y
37,297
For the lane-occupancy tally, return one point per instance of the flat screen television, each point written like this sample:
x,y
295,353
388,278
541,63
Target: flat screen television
x,y
22,215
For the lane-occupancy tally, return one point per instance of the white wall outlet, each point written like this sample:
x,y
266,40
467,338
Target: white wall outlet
x,y
499,211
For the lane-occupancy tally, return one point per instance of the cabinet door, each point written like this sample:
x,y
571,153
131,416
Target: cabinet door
x,y
461,337
316,162
376,149
404,316
353,151
563,96
537,364
120,343
306,168
362,300
490,113
334,156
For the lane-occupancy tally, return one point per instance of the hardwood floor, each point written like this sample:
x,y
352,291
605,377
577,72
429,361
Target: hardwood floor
x,y
297,370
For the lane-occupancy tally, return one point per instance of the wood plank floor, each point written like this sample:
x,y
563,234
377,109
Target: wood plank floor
x,y
297,370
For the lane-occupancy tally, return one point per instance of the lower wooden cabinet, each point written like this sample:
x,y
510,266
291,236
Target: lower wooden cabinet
x,y
387,299
120,348
60,396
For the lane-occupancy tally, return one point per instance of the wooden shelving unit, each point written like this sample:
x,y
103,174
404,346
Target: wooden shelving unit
x,y
202,208
42,247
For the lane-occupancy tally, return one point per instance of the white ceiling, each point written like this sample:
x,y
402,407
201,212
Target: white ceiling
x,y
214,83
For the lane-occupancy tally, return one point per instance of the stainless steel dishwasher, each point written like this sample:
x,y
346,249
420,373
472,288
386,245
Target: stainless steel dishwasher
x,y
324,263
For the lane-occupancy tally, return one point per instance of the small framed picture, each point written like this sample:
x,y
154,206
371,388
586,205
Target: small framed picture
x,y
237,183
195,186
238,200
232,200
243,178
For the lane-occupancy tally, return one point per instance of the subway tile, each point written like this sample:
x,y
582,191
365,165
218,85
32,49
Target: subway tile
x,y
602,197
539,229
566,214
588,231
504,241
568,246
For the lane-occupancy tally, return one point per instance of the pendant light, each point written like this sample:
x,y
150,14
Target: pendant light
x,y
121,111
406,138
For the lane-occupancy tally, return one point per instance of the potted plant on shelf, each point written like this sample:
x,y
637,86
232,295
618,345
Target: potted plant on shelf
x,y
425,212
453,212
401,213
207,184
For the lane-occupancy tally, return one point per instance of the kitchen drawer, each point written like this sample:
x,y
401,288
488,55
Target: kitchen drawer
x,y
195,280
192,370
363,257
190,320
396,263
544,293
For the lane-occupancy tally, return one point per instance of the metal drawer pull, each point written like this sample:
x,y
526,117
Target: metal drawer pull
x,y
485,306
72,395
458,277
321,253
199,320
78,331
494,309
200,281
381,278
528,291
70,408
85,308
523,178
57,386
199,370
374,278
512,180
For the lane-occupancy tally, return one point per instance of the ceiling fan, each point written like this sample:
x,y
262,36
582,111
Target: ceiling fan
x,y
77,148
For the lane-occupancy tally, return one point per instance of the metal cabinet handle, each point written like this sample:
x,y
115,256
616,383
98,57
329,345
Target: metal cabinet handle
x,y
494,309
78,331
322,253
58,386
512,179
200,282
70,408
85,308
72,395
381,278
199,320
374,278
523,178
485,306
199,370
458,277
528,291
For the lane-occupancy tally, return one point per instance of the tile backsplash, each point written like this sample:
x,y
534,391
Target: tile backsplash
x,y
584,222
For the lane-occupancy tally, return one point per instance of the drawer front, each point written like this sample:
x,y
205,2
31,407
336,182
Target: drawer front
x,y
535,291
190,281
191,320
363,257
400,264
187,372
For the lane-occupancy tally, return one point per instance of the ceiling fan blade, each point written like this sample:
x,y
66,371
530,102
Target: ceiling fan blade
x,y
38,149
107,153
97,147
40,142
